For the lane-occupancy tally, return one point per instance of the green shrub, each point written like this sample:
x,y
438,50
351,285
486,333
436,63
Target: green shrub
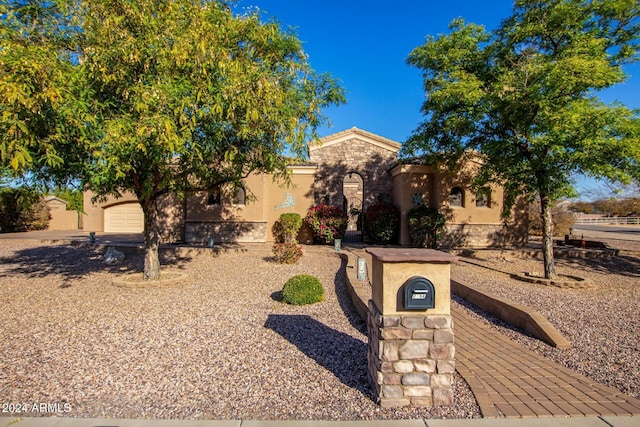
x,y
74,198
326,222
426,226
287,253
302,289
286,227
382,221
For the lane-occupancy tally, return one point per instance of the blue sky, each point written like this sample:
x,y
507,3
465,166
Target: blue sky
x,y
365,44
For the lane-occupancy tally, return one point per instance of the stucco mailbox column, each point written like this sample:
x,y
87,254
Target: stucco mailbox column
x,y
411,346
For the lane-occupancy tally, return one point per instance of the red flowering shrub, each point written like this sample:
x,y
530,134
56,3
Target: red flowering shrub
x,y
327,223
382,221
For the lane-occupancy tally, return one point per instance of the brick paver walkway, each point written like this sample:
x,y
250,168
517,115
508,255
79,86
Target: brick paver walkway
x,y
509,380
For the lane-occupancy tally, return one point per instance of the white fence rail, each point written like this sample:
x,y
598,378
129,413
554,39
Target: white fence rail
x,y
613,220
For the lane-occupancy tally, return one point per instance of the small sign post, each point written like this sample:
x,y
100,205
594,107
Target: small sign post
x,y
362,269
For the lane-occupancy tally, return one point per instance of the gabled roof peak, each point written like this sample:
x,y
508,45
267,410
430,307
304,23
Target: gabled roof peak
x,y
364,135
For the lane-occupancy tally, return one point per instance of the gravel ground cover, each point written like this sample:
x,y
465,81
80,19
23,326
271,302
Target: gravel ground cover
x,y
602,323
219,346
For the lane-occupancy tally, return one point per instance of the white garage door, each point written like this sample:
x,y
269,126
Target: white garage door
x,y
125,218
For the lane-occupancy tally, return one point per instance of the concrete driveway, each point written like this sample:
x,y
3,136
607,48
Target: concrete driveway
x,y
74,236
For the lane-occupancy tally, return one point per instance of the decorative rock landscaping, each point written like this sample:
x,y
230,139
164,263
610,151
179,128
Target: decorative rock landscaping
x,y
216,347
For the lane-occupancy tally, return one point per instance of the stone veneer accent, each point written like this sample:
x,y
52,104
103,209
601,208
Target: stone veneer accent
x,y
226,231
371,162
411,359
411,352
482,236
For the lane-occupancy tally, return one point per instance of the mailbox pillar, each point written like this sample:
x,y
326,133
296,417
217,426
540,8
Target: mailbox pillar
x,y
411,346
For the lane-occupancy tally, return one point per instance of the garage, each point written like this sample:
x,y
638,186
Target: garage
x,y
124,218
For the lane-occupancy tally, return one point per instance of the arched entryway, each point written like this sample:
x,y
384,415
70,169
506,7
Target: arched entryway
x,y
353,197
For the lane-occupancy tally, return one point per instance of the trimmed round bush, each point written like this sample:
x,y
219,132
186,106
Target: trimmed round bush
x,y
286,228
302,289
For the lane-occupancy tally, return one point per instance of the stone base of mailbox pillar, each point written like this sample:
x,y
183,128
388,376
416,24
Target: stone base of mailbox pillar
x,y
411,358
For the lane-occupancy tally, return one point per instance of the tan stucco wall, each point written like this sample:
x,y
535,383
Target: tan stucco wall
x,y
276,198
93,219
468,225
368,155
388,279
61,218
198,210
469,213
269,200
172,216
409,180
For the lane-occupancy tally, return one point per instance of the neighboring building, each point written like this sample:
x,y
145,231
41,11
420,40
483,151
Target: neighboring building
x,y
61,218
352,169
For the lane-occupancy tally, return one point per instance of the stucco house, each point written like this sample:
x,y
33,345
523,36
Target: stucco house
x,y
352,169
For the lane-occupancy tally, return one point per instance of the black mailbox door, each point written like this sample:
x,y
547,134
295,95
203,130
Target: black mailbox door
x,y
419,294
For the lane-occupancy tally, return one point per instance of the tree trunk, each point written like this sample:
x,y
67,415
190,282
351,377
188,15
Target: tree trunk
x,y
547,238
151,240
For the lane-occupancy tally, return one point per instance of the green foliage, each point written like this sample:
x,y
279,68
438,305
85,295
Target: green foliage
x,y
193,97
286,227
44,118
287,253
426,226
302,289
382,221
207,96
327,223
522,98
74,198
153,97
22,209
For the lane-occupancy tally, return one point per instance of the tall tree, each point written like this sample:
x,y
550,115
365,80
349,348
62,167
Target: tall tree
x,y
523,98
43,120
185,96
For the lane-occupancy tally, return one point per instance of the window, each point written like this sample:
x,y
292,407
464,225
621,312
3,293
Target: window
x,y
483,198
456,198
213,197
239,196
